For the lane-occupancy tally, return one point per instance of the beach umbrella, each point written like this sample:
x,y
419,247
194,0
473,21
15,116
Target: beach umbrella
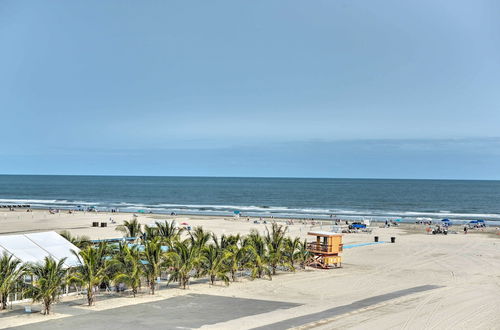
x,y
185,224
447,222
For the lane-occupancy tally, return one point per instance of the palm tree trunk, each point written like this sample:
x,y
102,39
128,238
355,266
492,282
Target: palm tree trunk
x,y
212,279
90,296
3,301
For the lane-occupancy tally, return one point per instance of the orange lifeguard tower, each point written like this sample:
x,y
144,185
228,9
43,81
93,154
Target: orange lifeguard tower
x,y
325,250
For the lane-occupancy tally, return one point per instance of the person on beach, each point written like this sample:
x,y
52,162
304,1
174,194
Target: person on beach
x,y
465,229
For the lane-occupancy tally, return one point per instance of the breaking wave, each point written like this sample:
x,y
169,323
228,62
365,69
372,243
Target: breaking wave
x,y
252,210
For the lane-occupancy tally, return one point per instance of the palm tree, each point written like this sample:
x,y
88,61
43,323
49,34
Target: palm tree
x,y
92,269
154,260
168,231
49,280
302,254
11,270
78,241
275,241
292,251
150,232
213,263
130,228
238,257
225,240
183,259
129,267
258,255
230,240
199,237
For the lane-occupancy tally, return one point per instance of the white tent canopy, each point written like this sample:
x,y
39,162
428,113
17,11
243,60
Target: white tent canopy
x,y
35,247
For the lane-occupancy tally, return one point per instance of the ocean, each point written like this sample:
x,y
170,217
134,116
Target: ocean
x,y
349,199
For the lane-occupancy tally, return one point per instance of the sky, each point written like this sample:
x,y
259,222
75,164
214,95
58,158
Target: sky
x,y
337,88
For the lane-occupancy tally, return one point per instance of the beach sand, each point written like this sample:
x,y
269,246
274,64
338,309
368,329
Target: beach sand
x,y
421,281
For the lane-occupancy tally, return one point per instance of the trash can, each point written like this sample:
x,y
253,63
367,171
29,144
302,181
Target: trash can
x,y
376,238
95,224
393,239
104,224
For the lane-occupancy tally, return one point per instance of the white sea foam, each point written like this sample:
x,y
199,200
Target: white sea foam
x,y
279,211
27,201
226,207
45,202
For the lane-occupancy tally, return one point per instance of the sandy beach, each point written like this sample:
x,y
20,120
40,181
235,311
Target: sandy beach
x,y
421,281
328,165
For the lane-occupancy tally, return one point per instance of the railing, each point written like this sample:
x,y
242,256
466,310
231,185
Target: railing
x,y
318,247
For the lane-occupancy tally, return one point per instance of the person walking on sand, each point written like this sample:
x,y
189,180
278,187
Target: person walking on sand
x,y
465,229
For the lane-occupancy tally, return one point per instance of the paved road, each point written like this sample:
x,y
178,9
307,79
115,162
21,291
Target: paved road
x,y
332,312
190,311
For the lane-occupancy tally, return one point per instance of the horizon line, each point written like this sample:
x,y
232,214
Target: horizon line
x,y
245,177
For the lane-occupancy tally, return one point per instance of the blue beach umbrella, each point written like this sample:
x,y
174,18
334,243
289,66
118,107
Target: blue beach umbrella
x,y
447,222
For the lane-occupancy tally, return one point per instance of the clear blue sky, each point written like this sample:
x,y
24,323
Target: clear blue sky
x,y
337,88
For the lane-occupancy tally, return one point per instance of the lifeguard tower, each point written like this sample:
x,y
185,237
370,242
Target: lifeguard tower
x,y
325,250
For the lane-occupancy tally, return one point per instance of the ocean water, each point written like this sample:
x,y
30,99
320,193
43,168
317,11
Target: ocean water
x,y
278,197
